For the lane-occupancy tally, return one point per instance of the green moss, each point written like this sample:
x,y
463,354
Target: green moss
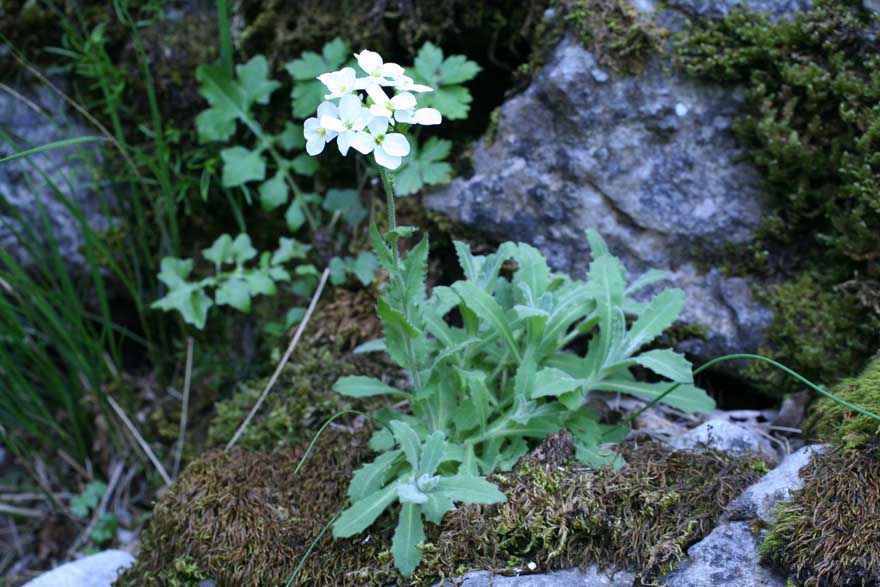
x,y
285,29
829,421
820,331
812,125
614,32
245,519
827,535
299,403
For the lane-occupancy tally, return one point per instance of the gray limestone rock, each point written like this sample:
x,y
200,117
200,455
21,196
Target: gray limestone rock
x,y
97,570
34,118
648,160
726,436
761,499
592,577
727,557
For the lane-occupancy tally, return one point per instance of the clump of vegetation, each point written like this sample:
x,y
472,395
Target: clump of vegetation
x,y
476,28
832,422
827,535
245,519
614,32
812,127
826,337
299,404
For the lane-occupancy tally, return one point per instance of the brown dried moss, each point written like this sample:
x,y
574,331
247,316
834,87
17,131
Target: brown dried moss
x,y
829,534
245,520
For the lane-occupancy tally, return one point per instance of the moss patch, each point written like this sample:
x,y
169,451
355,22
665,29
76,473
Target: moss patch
x,y
812,127
821,331
614,32
245,519
299,403
829,534
829,421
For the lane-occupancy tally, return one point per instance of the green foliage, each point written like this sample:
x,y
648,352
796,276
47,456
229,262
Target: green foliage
x,y
426,165
231,100
813,125
446,76
308,92
484,390
83,506
234,287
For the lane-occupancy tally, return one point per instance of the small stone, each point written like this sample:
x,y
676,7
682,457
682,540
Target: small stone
x,y
761,499
734,439
681,109
599,75
97,570
592,577
727,557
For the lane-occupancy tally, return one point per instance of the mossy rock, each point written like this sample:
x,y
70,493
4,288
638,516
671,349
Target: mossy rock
x,y
300,401
245,518
828,535
821,331
285,29
829,421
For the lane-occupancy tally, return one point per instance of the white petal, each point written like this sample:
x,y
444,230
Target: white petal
x,y
328,79
344,142
369,61
396,144
378,126
420,88
347,76
362,142
404,116
391,70
386,160
331,123
327,109
403,101
349,107
314,146
310,127
378,95
379,111
428,116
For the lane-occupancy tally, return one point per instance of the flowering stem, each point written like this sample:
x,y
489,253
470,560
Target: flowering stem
x,y
398,280
392,207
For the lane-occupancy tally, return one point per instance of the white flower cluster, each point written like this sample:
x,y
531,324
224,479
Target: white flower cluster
x,y
364,125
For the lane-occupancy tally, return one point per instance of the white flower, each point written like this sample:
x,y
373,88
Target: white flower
x,y
423,116
378,71
389,149
407,84
385,107
340,83
317,135
351,118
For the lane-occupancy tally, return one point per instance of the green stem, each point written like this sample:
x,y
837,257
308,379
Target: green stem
x,y
397,277
776,364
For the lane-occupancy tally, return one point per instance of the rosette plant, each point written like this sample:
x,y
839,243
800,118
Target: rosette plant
x,y
497,379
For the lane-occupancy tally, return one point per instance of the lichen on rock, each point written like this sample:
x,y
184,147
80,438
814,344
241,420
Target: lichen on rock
x,y
829,534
